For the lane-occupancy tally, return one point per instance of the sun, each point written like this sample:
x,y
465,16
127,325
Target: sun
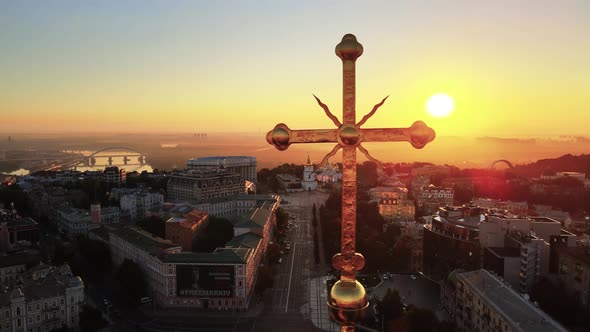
x,y
440,105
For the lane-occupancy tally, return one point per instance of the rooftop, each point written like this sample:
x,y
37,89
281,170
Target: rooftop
x,y
246,240
505,251
141,239
544,219
43,281
508,303
204,174
388,189
13,219
222,159
219,256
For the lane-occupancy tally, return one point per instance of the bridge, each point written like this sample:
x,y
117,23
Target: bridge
x,y
501,161
118,151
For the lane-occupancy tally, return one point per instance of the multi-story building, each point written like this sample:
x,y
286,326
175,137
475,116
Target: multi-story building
x,y
378,193
134,205
73,222
242,165
183,231
289,182
49,298
452,241
564,175
230,208
418,183
223,279
480,301
574,270
431,198
12,266
549,212
413,232
393,203
200,186
110,215
114,175
68,176
522,260
16,230
458,237
517,208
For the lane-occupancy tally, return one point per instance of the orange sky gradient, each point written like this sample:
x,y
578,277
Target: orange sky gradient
x,y
513,69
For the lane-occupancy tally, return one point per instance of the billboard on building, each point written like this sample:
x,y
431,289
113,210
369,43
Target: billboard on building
x,y
205,280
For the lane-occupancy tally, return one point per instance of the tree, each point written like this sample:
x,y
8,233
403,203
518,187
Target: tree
x,y
91,319
282,220
273,253
154,225
390,306
265,279
132,281
215,234
562,305
59,254
13,194
367,174
422,320
96,257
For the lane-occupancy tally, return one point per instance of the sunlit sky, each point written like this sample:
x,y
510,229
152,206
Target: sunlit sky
x,y
513,68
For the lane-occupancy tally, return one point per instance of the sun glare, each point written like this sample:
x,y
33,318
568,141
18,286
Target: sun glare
x,y
440,105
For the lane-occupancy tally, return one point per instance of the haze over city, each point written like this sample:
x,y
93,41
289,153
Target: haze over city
x,y
256,166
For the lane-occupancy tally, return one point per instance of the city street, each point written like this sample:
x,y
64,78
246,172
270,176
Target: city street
x,y
287,304
420,292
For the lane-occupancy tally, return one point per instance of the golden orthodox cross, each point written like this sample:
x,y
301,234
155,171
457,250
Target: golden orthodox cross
x,y
348,299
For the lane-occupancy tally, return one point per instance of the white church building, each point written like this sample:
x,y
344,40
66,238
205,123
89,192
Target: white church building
x,y
309,177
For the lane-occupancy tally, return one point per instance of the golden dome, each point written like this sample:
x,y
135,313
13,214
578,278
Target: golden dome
x,y
348,302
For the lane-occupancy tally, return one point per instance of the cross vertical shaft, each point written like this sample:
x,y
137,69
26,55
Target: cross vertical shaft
x,y
347,299
348,239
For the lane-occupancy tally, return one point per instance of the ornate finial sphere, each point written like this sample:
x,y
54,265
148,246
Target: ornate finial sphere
x,y
349,48
347,301
279,137
349,135
421,134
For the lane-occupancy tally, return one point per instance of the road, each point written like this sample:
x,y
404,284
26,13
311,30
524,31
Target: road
x,y
287,304
420,292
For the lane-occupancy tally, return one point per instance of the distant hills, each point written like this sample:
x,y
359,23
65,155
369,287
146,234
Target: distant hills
x,y
568,162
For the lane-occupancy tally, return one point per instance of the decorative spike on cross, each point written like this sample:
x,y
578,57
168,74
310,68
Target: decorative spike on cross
x,y
348,298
